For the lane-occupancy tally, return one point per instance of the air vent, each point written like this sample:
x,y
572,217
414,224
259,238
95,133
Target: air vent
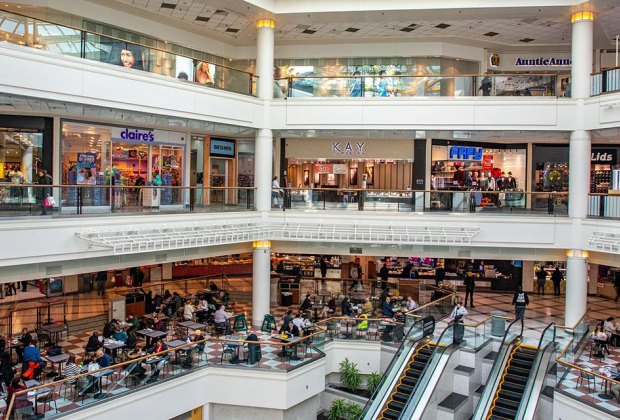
x,y
53,270
355,250
309,31
491,34
161,257
233,30
203,19
351,30
442,26
407,29
168,6
526,40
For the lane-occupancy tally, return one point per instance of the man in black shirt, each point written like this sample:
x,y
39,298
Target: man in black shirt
x,y
470,285
520,300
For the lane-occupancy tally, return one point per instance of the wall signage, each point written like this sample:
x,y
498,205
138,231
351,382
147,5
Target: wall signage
x,y
494,60
222,148
604,156
348,148
542,62
133,134
465,153
428,326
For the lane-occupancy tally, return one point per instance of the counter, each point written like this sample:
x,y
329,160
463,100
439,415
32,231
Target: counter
x,y
188,271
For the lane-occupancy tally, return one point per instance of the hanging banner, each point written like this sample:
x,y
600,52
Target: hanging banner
x,y
487,162
339,169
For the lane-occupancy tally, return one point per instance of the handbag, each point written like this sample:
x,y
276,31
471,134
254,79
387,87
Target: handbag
x,y
49,201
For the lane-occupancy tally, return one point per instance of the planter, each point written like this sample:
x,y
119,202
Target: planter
x,y
332,393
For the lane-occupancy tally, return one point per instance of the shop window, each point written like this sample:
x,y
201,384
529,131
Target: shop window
x,y
20,161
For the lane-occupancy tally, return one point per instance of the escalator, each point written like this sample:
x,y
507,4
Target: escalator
x,y
407,381
513,383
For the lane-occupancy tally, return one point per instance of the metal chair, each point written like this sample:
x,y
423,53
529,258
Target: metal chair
x,y
583,375
47,399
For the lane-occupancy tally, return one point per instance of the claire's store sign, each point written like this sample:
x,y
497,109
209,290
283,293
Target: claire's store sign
x,y
133,134
464,153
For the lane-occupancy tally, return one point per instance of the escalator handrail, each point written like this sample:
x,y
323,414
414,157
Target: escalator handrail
x,y
411,403
485,401
391,365
527,390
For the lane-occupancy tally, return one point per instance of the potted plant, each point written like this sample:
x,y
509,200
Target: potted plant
x,y
373,382
341,410
350,376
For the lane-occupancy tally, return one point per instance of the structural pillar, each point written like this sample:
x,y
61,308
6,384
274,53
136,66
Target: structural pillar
x,y
576,286
264,58
261,276
579,174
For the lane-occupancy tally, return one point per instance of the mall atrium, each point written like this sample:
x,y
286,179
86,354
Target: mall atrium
x,y
309,209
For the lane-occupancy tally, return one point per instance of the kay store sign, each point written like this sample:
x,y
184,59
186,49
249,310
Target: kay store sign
x,y
348,149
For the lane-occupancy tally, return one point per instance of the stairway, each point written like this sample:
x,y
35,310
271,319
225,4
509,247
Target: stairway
x,y
405,385
512,385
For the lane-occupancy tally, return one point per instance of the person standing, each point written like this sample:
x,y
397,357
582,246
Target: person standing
x,y
323,267
102,278
440,274
384,273
556,278
43,192
470,285
456,318
520,300
541,276
87,281
275,192
485,85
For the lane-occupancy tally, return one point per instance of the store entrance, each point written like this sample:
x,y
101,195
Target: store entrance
x,y
220,177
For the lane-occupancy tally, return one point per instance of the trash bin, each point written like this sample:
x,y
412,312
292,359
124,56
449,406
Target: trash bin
x,y
286,298
498,325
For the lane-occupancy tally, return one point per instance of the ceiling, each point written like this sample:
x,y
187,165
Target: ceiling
x,y
488,27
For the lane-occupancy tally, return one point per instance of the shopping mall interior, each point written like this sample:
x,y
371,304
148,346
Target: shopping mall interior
x,y
223,209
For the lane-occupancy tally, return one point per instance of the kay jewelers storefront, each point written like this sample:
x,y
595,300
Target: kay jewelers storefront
x,y
118,158
370,164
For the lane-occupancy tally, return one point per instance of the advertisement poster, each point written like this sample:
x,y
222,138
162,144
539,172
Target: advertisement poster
x,y
86,168
487,162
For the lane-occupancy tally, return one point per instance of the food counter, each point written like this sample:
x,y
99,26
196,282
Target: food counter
x,y
230,269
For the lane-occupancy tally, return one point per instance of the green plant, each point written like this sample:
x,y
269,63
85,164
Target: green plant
x,y
340,410
350,375
337,410
373,382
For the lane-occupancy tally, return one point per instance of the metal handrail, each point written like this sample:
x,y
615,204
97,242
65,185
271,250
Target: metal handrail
x,y
426,75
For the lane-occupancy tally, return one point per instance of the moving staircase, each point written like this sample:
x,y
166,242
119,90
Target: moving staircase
x,y
512,384
405,385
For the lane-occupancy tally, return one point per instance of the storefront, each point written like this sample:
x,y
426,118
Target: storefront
x,y
121,156
478,167
26,145
341,164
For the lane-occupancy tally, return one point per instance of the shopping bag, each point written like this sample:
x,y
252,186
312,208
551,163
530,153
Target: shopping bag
x,y
50,202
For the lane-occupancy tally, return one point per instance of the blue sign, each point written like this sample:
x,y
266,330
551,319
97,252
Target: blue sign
x,y
133,134
465,153
222,148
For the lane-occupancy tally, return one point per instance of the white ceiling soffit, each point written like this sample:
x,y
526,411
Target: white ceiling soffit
x,y
162,238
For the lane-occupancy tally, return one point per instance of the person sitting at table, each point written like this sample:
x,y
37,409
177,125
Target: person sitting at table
x,y
298,321
20,403
33,363
157,364
157,301
120,335
167,296
188,311
23,342
134,323
600,338
367,307
611,331
290,329
346,307
94,343
198,337
149,304
222,319
411,304
103,359
109,329
399,330
213,287
177,302
254,352
72,370
306,304
386,308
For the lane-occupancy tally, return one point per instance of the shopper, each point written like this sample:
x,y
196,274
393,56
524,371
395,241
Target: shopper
x,y
470,285
43,192
323,267
384,273
456,318
485,85
520,300
275,192
440,274
87,282
102,278
541,279
556,278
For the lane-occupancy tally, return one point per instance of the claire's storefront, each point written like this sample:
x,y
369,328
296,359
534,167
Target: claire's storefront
x,y
119,156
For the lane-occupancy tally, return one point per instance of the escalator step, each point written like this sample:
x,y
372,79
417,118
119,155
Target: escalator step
x,y
401,397
426,351
405,389
494,417
508,386
515,379
522,363
524,355
509,404
504,412
391,414
508,395
413,373
408,380
515,370
396,406
421,358
417,365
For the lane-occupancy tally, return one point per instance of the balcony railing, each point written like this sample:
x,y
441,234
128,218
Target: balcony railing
x,y
604,205
422,86
606,81
71,200
428,201
76,42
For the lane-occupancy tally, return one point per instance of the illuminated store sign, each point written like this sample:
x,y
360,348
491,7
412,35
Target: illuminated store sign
x,y
465,153
543,62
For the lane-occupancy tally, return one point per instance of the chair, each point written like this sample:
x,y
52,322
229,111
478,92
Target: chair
x,y
68,385
47,399
584,375
598,348
226,350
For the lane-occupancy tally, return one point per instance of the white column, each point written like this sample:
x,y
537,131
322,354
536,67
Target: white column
x,y
56,160
261,272
576,287
263,162
579,173
264,58
581,54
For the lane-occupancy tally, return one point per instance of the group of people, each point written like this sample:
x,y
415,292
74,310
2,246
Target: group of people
x,y
541,280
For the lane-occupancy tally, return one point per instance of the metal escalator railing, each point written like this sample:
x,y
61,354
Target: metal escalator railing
x,y
546,343
414,409
511,336
410,343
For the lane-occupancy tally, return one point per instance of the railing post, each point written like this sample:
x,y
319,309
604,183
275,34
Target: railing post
x,y
289,87
360,200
